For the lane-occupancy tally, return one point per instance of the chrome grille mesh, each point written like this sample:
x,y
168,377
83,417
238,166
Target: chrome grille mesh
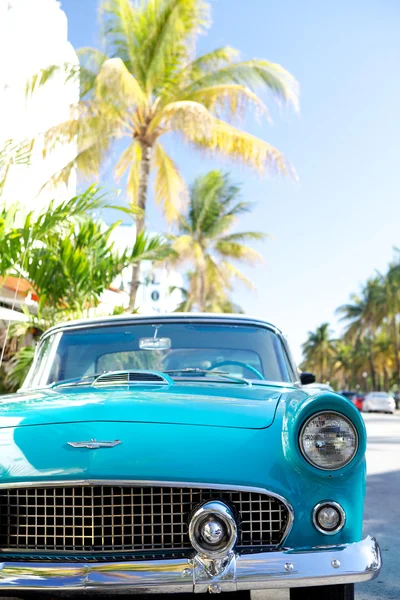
x,y
125,518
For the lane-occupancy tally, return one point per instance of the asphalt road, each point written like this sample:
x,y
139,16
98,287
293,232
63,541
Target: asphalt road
x,y
382,510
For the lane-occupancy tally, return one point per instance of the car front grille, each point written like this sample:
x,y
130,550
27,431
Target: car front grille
x,y
127,518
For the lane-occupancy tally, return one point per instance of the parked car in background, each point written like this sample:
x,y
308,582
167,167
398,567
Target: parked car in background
x,y
355,397
379,402
179,453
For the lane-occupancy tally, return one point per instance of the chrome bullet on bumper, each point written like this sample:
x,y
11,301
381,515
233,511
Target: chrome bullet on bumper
x,y
356,562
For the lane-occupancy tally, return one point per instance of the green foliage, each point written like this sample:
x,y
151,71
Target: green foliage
x,y
319,350
19,232
72,269
19,366
368,353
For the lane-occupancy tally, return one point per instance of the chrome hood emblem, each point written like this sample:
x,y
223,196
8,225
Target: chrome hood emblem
x,y
94,444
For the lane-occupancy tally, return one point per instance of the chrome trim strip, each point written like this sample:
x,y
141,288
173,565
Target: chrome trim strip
x,y
169,318
156,483
339,509
350,563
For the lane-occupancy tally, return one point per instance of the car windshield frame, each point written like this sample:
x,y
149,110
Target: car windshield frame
x,y
292,374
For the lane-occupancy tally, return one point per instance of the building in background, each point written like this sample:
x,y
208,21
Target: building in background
x,y
34,36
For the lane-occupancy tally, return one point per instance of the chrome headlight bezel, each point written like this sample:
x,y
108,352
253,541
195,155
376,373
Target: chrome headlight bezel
x,y
340,416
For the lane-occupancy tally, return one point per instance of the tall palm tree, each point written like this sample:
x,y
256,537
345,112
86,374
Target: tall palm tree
x,y
392,292
364,315
148,83
205,241
319,351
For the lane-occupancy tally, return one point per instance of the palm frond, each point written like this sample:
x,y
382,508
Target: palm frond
x,y
20,364
91,61
241,146
116,82
245,236
130,161
120,22
152,248
237,251
227,100
171,29
68,71
170,189
13,153
182,245
131,155
230,271
253,74
189,118
210,62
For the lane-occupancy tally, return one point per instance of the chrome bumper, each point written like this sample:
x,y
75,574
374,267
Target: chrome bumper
x,y
356,562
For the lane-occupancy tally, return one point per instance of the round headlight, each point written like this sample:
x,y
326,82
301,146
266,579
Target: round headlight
x,y
328,440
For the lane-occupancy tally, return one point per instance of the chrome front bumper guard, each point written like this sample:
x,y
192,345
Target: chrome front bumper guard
x,y
356,562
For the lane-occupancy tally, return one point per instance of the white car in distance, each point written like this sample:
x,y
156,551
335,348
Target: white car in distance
x,y
379,402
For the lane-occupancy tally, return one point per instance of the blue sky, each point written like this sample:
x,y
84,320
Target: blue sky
x,y
339,223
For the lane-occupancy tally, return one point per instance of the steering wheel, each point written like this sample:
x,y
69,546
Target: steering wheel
x,y
236,363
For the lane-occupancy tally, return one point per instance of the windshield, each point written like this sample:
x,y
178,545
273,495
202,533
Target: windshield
x,y
245,351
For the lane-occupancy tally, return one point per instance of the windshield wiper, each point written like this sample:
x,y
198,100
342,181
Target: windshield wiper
x,y
205,373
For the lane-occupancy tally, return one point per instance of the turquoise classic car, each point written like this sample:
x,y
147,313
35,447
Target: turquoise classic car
x,y
178,454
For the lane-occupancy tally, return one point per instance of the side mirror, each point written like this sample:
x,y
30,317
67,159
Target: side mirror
x,y
306,378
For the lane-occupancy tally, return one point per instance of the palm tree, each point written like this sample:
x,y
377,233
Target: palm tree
x,y
364,315
217,300
148,83
319,351
392,292
205,241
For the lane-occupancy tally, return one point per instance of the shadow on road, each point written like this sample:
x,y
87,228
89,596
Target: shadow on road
x,y
382,520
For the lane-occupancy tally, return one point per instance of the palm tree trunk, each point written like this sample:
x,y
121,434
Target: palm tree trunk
x,y
372,368
140,220
396,344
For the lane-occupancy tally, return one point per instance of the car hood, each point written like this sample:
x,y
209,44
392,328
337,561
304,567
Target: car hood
x,y
214,404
